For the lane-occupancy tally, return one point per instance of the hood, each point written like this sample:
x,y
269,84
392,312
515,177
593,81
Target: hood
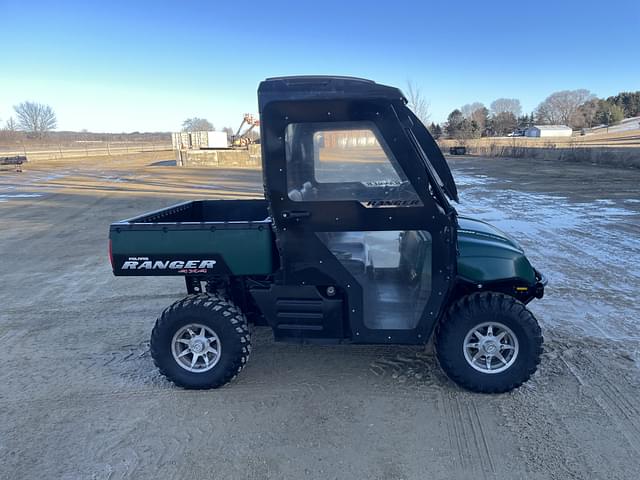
x,y
472,232
487,254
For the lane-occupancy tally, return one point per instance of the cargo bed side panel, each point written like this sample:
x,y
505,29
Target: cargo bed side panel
x,y
201,249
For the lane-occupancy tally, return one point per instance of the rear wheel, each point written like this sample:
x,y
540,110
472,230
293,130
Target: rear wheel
x,y
489,342
201,342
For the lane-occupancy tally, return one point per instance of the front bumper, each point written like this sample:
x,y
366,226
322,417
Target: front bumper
x,y
541,282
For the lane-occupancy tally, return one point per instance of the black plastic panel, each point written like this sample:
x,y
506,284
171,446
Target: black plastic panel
x,y
301,312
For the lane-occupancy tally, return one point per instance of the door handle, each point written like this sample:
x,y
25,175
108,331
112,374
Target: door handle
x,y
295,214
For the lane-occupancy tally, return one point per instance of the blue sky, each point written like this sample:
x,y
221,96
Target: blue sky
x,y
125,66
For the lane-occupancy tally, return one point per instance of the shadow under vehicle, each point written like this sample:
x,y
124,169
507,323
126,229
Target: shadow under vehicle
x,y
356,242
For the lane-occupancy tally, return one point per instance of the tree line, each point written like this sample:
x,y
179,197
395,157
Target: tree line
x,y
576,108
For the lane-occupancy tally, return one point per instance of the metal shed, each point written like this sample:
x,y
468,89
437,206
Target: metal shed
x,y
548,131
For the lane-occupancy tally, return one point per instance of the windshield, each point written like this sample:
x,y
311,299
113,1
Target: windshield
x,y
435,162
437,186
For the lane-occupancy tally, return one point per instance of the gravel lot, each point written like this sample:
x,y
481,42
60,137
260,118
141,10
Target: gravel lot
x,y
80,397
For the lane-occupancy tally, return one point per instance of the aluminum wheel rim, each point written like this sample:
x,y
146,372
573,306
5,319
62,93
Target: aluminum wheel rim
x,y
490,347
196,348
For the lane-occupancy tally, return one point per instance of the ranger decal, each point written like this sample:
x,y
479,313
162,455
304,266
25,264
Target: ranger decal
x,y
144,263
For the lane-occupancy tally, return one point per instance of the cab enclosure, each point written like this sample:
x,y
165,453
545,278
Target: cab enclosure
x,y
359,194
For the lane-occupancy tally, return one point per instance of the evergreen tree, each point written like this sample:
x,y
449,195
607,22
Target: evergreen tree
x,y
609,113
629,102
435,130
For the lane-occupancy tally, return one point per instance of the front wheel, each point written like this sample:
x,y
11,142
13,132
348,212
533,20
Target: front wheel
x,y
200,342
489,342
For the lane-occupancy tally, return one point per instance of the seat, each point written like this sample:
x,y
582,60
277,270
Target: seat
x,y
305,194
308,192
349,248
295,195
415,248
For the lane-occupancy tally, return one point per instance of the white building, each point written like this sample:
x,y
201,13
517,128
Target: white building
x,y
548,131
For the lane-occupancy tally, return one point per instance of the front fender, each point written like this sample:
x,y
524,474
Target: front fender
x,y
481,269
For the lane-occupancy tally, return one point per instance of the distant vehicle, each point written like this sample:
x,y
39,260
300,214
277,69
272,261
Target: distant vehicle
x,y
516,133
16,160
356,242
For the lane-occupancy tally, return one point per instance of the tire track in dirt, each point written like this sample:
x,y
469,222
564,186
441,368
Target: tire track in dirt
x,y
457,439
613,402
410,368
547,446
481,438
574,432
465,430
469,436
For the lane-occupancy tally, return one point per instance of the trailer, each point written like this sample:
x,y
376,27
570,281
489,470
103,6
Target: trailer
x,y
16,160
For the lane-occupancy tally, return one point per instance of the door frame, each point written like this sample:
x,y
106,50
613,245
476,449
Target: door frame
x,y
305,260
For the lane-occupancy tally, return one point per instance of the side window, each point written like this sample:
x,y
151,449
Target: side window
x,y
344,161
394,269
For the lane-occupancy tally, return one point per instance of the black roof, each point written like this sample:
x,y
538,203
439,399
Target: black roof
x,y
322,87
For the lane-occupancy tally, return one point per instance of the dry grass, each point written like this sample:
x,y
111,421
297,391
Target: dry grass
x,y
630,138
621,149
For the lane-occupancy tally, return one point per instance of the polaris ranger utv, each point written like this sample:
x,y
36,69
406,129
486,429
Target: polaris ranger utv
x,y
356,242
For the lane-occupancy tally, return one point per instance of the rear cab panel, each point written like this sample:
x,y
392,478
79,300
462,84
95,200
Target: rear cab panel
x,y
196,238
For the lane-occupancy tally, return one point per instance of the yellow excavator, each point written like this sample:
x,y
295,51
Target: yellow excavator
x,y
241,139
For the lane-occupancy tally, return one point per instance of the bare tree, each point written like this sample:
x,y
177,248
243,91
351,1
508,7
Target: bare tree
x,y
459,127
480,119
586,114
417,103
196,124
229,132
470,108
560,108
504,123
35,118
11,126
503,105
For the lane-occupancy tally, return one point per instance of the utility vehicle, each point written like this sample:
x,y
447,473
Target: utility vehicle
x,y
355,242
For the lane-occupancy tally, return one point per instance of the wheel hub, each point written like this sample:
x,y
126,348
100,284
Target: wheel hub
x,y
490,347
197,345
196,352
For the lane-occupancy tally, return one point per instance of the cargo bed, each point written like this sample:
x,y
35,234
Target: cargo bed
x,y
195,238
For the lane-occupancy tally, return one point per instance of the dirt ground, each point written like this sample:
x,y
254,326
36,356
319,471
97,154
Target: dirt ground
x,y
80,397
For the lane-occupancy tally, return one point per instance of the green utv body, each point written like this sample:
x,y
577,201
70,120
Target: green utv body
x,y
355,242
